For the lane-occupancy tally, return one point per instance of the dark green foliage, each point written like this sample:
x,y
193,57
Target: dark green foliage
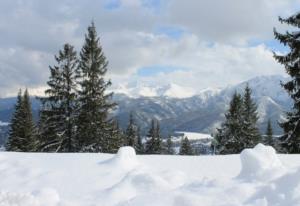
x,y
250,132
269,140
239,131
57,117
116,138
185,147
169,146
154,144
93,125
290,141
229,135
22,136
131,133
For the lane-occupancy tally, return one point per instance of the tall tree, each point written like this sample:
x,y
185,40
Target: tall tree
x,y
229,136
154,144
116,138
22,136
59,105
290,141
250,133
269,135
185,147
93,124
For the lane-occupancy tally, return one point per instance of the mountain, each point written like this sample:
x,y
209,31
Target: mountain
x,y
178,109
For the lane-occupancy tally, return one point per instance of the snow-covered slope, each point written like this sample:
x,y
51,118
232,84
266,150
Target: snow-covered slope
x,y
257,177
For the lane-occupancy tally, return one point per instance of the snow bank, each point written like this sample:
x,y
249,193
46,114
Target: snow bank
x,y
45,197
125,158
260,163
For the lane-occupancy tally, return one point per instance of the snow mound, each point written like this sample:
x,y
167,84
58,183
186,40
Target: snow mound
x,y
45,197
126,158
260,163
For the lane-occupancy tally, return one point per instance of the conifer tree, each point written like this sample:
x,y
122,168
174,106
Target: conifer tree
x,y
153,144
59,105
93,123
131,133
185,147
14,142
269,135
229,136
250,133
116,138
169,146
140,146
23,136
290,141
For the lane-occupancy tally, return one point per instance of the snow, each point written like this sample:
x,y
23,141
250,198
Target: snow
x,y
3,124
192,136
257,177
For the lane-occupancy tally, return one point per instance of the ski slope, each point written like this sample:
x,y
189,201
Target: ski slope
x,y
257,177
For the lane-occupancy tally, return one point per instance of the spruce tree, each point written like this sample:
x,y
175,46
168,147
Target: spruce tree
x,y
185,147
269,135
131,133
14,142
140,146
229,136
22,136
169,146
116,138
93,123
154,144
59,105
250,133
290,141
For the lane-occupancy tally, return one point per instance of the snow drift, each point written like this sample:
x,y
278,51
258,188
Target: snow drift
x,y
257,177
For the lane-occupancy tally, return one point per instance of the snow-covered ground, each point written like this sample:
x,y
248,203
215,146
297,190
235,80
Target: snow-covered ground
x,y
257,177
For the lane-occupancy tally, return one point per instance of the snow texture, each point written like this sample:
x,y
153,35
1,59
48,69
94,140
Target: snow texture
x,y
257,177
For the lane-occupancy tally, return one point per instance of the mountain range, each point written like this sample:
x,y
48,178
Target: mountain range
x,y
183,109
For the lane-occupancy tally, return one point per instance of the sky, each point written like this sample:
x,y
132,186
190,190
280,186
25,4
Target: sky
x,y
192,43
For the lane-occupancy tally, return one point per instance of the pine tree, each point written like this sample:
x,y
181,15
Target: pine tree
x,y
290,141
29,129
116,138
169,146
140,146
131,133
229,136
93,124
250,133
59,105
185,147
22,136
269,135
14,142
154,144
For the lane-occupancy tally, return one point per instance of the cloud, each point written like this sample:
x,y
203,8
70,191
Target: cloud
x,y
209,38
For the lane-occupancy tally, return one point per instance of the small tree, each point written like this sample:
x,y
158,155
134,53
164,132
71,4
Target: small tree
x,y
269,135
153,144
250,133
22,136
185,147
229,136
169,146
131,133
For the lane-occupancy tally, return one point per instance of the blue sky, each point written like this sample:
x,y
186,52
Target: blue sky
x,y
198,44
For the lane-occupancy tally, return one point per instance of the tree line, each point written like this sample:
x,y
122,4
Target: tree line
x,y
75,110
74,116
